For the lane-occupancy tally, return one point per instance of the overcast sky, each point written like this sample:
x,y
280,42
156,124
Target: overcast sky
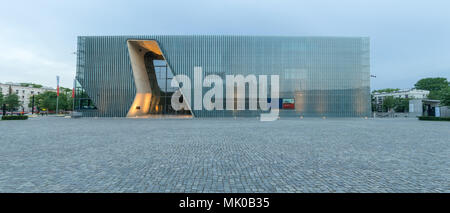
x,y
409,39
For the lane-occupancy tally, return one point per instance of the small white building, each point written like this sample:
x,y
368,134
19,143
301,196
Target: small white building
x,y
424,107
405,93
23,92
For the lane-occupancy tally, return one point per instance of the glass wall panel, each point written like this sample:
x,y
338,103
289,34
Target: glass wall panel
x,y
319,76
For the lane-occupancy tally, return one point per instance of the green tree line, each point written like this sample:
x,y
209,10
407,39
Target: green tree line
x,y
47,100
439,90
387,90
11,102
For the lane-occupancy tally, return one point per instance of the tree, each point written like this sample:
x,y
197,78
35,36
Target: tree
x,y
445,95
47,100
401,104
1,99
31,84
436,86
387,90
12,102
432,84
388,103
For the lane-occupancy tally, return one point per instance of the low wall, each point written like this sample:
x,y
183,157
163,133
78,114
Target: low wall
x,y
445,111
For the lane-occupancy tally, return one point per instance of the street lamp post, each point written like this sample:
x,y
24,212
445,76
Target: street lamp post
x,y
374,113
73,96
32,105
4,110
57,94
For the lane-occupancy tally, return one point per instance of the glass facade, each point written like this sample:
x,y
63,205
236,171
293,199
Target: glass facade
x,y
319,76
164,78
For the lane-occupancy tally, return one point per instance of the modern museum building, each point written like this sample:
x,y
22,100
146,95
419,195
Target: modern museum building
x,y
133,76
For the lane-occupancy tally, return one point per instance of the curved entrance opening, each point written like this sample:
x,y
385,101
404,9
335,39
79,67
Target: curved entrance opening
x,y
152,76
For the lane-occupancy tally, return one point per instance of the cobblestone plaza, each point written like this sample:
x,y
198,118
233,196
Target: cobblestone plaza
x,y
50,154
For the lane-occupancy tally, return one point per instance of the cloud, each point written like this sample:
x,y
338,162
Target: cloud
x,y
409,39
27,57
23,61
